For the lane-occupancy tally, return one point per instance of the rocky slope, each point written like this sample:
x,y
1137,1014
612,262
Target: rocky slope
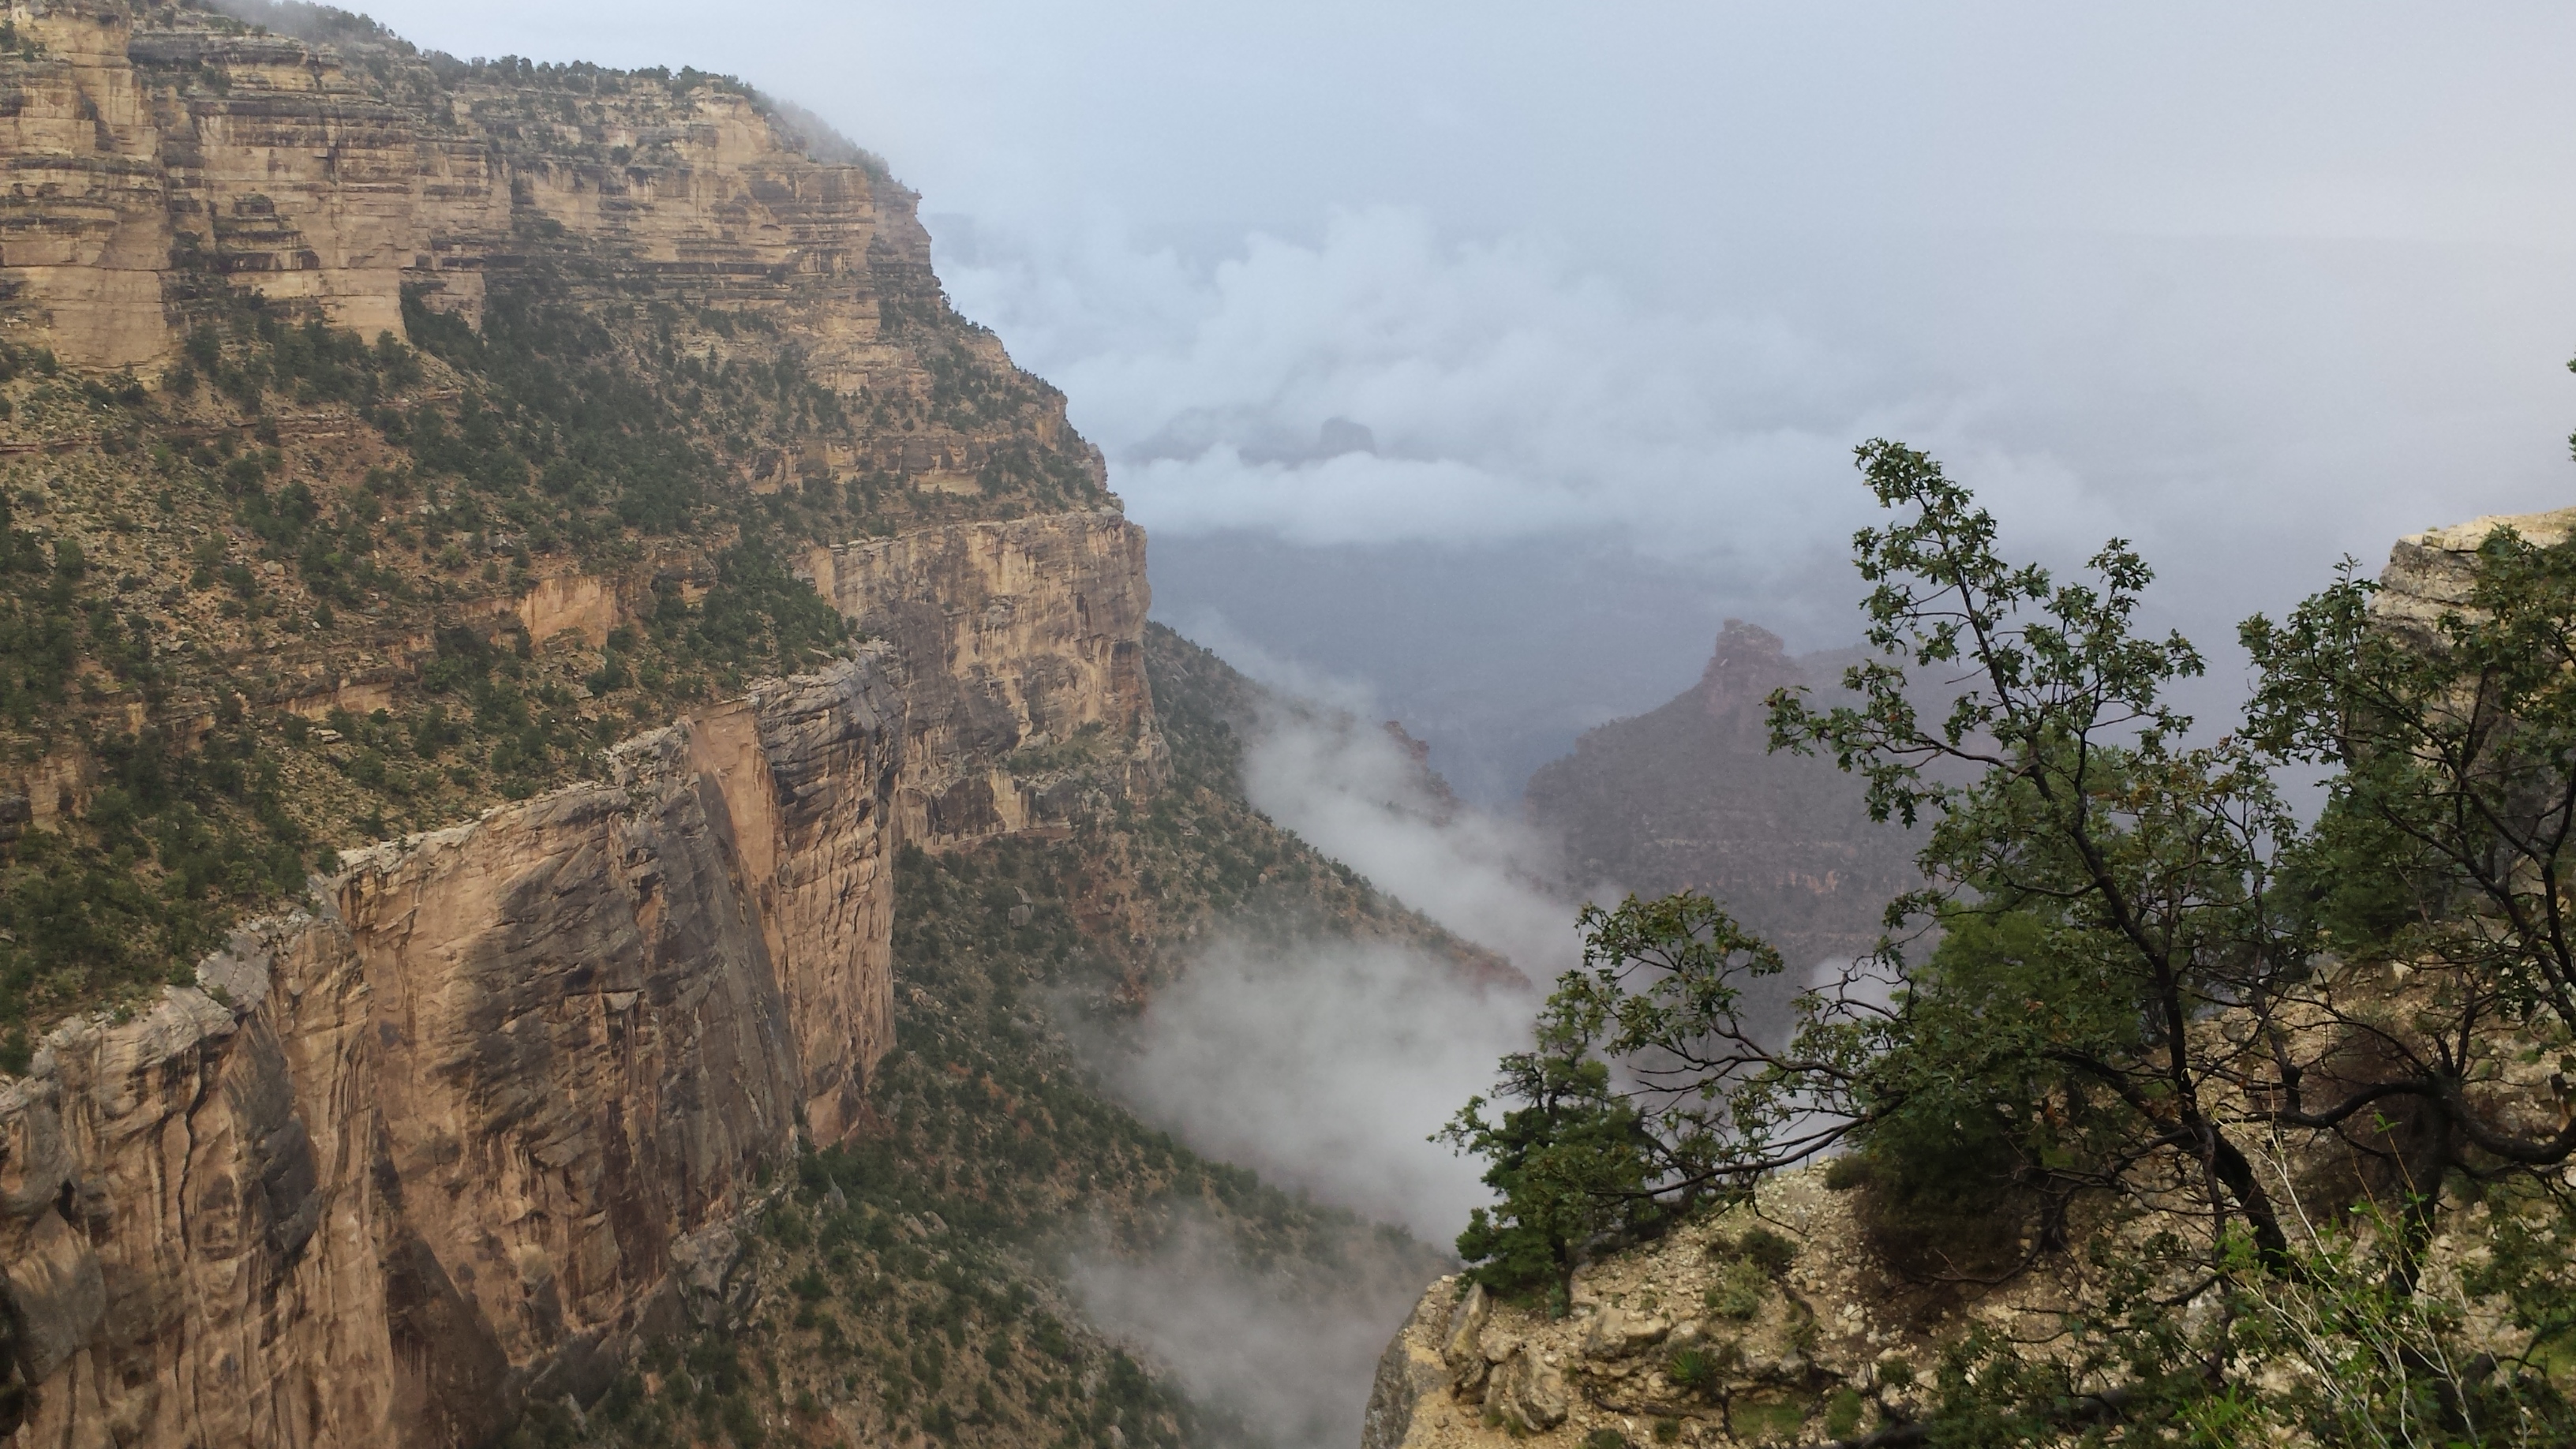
x,y
1770,1324
1688,797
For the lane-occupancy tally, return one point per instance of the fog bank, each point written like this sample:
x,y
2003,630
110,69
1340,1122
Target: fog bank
x,y
1294,1362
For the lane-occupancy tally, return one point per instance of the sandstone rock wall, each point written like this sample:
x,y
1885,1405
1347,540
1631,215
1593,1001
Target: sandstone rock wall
x,y
463,1132
157,152
2433,571
442,1142
485,1113
1019,645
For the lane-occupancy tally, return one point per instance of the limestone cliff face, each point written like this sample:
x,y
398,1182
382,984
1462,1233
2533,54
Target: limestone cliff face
x,y
479,1119
1019,643
483,1114
2433,571
1776,1326
471,1121
156,153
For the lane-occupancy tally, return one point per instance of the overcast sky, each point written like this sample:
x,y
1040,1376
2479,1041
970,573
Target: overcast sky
x,y
1615,288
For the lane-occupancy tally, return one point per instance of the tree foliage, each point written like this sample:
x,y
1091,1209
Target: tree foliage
x,y
2138,1008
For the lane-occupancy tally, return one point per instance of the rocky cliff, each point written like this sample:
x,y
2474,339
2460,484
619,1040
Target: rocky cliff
x,y
460,1133
445,1137
643,402
1019,650
2433,571
1770,1324
158,150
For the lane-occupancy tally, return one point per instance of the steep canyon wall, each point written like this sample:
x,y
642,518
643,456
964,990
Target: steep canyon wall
x,y
481,1117
157,150
462,1130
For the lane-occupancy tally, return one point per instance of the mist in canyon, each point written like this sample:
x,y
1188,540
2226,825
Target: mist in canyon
x,y
1470,366
1330,1066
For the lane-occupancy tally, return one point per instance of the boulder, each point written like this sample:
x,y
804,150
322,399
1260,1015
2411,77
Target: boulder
x,y
1617,1333
1529,1391
1409,1371
1464,1350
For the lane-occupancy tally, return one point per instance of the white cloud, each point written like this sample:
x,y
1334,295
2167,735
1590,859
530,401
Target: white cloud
x,y
1346,788
1328,1068
1512,394
1294,1359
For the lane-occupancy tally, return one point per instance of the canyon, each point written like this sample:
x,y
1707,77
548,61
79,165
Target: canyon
x,y
488,1107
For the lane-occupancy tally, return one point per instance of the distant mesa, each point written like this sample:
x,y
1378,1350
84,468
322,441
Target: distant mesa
x,y
1688,796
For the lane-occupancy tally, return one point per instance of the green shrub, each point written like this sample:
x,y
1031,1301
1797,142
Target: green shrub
x,y
1738,1292
1695,1369
1842,1412
1767,1250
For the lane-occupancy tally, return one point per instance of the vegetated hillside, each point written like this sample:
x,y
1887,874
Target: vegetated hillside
x,y
1688,796
296,583
910,1284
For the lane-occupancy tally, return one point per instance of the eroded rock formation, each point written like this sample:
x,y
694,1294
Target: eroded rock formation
x,y
1690,796
397,1161
1014,641
479,1118
485,1112
158,149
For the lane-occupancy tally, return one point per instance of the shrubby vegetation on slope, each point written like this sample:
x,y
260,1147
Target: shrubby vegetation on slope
x,y
2289,1090
298,509
911,1283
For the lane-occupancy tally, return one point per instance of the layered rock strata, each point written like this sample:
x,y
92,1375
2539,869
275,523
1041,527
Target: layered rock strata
x,y
469,1127
483,1115
441,1141
445,1141
161,153
1018,647
2432,572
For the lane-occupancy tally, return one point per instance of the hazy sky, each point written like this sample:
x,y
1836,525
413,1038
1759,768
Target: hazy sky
x,y
1615,288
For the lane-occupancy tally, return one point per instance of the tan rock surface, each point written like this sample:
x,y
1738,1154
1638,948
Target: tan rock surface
x,y
488,1111
2432,571
1012,637
483,1117
1664,1344
149,147
438,1148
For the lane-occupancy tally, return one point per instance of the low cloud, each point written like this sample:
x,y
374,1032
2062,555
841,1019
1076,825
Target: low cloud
x,y
1351,791
1294,1360
2320,396
1328,1064
1329,1067
1509,393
